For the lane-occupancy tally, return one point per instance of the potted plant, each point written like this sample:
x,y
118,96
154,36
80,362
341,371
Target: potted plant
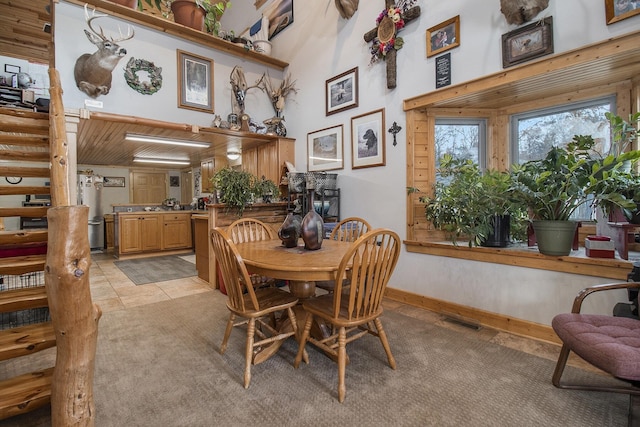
x,y
566,178
197,14
468,202
265,189
236,188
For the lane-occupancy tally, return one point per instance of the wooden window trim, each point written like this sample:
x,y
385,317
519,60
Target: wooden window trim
x,y
603,68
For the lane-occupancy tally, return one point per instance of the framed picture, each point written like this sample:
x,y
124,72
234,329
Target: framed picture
x,y
113,181
528,42
444,36
195,82
617,10
280,14
367,140
324,148
13,69
341,92
174,181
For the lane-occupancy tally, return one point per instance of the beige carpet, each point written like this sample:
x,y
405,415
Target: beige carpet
x,y
158,365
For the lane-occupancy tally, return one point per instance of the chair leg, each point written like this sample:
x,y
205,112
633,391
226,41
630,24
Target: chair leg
x,y
227,332
385,343
342,363
251,330
303,340
562,362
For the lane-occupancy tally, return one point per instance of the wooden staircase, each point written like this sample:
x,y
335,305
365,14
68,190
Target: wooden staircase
x,y
25,153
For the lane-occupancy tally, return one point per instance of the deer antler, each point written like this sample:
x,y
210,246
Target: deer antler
x,y
94,16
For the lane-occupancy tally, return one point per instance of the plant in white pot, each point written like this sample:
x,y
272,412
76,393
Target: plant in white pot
x,y
566,178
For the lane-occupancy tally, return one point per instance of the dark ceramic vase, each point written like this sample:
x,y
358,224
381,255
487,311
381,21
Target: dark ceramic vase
x,y
312,227
499,236
289,231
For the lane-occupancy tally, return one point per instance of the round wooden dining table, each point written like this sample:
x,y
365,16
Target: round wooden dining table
x,y
301,267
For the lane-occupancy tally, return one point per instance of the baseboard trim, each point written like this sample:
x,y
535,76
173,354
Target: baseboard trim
x,y
482,317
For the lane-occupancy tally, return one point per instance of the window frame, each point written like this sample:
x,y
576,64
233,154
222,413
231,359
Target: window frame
x,y
481,122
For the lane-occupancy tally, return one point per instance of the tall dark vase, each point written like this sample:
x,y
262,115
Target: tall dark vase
x,y
312,227
499,235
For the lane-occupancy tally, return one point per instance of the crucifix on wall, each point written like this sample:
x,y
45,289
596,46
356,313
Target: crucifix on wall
x,y
385,43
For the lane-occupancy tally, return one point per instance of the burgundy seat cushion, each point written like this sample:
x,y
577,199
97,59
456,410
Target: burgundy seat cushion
x,y
33,248
610,343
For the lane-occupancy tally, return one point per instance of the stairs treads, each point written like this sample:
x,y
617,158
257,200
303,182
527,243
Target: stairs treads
x,y
23,298
17,237
28,212
22,264
25,340
25,393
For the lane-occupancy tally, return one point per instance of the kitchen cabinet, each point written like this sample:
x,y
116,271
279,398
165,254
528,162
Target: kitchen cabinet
x,y
140,232
267,159
207,168
176,231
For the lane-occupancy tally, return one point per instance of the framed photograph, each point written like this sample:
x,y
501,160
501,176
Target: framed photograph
x,y
444,36
195,82
341,92
13,69
113,181
324,149
367,140
174,181
280,14
617,10
528,42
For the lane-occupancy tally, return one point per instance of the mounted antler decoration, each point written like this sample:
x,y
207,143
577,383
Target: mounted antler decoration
x,y
347,7
520,11
239,88
93,71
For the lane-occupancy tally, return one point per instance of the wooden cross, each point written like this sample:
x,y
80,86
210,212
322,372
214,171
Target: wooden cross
x,y
390,58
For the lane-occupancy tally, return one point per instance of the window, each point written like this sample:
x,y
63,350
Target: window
x,y
533,133
461,138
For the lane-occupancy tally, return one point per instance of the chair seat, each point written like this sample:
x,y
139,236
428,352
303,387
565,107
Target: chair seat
x,y
322,306
271,299
609,343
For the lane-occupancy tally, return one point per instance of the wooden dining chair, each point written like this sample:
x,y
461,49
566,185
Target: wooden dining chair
x,y
252,230
369,264
347,230
252,305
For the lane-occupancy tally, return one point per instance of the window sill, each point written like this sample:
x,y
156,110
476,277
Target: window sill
x,y
523,256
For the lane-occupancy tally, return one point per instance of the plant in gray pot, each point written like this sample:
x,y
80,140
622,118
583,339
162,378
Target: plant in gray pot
x,y
470,203
567,177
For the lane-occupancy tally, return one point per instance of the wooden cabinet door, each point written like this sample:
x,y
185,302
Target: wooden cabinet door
x,y
148,187
268,162
206,172
150,232
129,235
250,160
176,231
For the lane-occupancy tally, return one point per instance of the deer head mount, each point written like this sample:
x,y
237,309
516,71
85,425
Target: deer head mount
x,y
93,71
521,11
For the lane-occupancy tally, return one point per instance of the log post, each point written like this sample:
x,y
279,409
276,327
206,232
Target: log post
x,y
74,316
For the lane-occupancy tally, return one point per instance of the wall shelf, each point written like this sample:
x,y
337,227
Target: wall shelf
x,y
170,27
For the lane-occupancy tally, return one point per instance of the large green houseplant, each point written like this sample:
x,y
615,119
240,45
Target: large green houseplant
x,y
566,178
468,202
235,188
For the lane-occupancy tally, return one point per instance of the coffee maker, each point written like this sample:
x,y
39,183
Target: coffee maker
x,y
201,204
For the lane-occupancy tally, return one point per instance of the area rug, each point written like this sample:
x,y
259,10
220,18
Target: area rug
x,y
159,365
157,269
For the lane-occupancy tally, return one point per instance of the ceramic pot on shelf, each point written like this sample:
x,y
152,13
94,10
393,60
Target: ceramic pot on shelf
x,y
188,13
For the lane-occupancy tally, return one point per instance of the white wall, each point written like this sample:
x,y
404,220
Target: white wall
x,y
319,45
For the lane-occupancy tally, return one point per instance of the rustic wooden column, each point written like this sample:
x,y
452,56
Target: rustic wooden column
x,y
74,316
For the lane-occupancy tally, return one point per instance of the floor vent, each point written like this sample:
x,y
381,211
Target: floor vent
x,y
459,320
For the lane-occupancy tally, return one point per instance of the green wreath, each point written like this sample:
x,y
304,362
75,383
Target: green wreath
x,y
145,87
